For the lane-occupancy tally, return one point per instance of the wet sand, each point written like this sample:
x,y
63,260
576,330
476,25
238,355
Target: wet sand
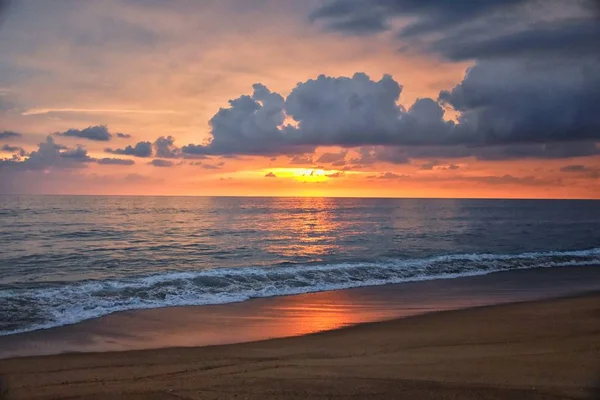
x,y
547,349
285,316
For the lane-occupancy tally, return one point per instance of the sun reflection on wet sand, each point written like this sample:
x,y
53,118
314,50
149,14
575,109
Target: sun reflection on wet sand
x,y
285,316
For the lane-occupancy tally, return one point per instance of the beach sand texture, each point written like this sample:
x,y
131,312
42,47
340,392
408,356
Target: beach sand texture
x,y
538,350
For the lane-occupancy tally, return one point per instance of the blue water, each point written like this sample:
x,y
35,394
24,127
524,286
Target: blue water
x,y
64,259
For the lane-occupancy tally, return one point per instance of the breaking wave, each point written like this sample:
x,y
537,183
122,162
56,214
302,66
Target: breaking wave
x,y
52,305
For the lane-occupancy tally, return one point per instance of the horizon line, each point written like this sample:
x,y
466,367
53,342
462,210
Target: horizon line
x,y
300,196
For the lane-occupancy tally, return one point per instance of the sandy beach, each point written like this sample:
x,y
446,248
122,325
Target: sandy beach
x,y
536,350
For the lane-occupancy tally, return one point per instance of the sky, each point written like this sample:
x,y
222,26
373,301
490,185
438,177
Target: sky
x,y
358,98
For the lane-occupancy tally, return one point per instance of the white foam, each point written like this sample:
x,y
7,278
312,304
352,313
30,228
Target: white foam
x,y
76,302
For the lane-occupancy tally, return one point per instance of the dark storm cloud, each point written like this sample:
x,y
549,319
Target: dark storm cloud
x,y
537,150
9,134
4,4
360,25
339,111
115,161
507,109
461,30
342,111
371,154
500,104
567,38
141,149
162,163
512,101
403,155
98,133
431,16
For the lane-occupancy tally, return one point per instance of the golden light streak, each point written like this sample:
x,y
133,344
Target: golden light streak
x,y
38,111
314,175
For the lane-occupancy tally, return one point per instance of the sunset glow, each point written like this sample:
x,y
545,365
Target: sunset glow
x,y
177,101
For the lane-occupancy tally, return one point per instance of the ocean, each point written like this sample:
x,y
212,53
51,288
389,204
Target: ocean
x,y
66,259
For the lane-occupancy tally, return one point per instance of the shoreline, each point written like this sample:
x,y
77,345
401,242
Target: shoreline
x,y
531,350
297,315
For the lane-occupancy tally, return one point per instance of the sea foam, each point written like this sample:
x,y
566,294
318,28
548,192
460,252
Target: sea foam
x,y
52,305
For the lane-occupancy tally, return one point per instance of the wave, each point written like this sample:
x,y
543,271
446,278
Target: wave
x,y
53,305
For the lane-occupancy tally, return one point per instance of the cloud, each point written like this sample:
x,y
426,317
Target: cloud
x,y
78,154
571,38
516,101
329,111
141,149
466,30
502,115
388,175
213,166
301,159
165,147
434,164
9,134
123,136
546,150
333,158
115,161
498,104
340,111
575,168
270,175
97,133
391,175
251,125
372,154
367,16
428,166
14,149
512,180
195,150
50,155
162,163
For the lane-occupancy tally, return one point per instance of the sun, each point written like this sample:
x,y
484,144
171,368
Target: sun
x,y
313,175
